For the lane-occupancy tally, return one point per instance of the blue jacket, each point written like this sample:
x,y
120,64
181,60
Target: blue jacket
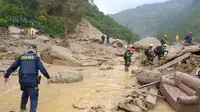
x,y
188,38
29,64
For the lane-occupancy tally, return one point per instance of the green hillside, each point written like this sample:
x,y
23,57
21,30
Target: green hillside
x,y
57,18
146,20
189,21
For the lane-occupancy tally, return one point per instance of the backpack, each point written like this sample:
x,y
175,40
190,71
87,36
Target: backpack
x,y
158,50
146,52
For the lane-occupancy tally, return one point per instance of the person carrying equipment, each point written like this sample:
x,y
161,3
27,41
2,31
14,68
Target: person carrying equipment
x,y
127,57
29,64
149,54
161,52
164,40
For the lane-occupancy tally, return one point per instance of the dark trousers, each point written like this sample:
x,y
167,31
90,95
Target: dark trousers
x,y
33,93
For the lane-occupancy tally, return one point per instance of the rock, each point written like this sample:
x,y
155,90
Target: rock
x,y
118,43
84,31
67,77
27,42
60,56
98,108
16,36
42,38
80,106
3,48
174,50
136,71
144,43
106,68
14,30
91,63
140,102
130,107
148,76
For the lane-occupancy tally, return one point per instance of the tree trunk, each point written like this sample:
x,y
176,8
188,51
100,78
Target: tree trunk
x,y
66,28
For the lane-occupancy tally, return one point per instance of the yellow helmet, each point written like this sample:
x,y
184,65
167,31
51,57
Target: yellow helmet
x,y
151,45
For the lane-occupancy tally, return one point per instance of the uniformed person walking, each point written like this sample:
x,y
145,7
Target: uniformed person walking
x,y
29,64
127,57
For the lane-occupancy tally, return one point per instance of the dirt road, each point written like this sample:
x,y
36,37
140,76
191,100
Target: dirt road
x,y
98,87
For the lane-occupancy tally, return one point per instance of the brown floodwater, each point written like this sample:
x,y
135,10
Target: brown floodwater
x,y
98,87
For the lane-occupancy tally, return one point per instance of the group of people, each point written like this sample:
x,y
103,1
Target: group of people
x,y
161,51
107,40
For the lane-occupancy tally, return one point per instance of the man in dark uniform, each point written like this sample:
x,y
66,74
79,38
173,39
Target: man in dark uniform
x,y
164,40
103,39
161,51
29,64
127,57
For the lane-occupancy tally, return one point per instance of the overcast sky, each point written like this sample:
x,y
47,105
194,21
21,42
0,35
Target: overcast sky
x,y
114,6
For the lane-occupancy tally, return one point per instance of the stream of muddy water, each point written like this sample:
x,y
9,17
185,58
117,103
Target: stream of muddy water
x,y
98,87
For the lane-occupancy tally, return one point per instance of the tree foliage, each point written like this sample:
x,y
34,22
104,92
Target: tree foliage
x,y
107,25
59,17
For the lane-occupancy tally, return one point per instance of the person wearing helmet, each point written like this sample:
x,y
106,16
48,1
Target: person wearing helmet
x,y
188,39
149,54
177,38
161,52
127,57
164,40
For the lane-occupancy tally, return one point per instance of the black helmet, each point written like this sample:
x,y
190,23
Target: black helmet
x,y
33,47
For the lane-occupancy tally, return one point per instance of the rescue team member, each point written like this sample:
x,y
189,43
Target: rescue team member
x,y
160,51
149,54
188,39
127,57
29,64
164,40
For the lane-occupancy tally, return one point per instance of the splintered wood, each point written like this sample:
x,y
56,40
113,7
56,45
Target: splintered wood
x,y
151,99
174,61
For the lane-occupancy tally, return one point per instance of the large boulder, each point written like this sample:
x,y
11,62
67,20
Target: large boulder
x,y
67,77
174,50
14,30
118,43
148,76
84,31
144,43
42,38
60,56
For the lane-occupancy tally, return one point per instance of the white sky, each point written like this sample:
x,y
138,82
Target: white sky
x,y
114,6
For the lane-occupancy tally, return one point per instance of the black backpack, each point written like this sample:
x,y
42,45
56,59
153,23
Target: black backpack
x,y
158,50
146,52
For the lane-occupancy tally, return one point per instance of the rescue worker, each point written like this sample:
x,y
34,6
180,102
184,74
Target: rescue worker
x,y
127,57
29,64
164,40
103,39
149,54
161,52
107,40
177,38
188,39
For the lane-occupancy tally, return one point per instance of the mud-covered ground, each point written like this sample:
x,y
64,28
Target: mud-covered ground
x,y
98,88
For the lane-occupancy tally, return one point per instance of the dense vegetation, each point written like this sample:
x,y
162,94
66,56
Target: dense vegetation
x,y
107,25
188,21
58,17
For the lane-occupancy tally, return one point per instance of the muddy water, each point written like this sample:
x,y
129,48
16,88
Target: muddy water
x,y
98,87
